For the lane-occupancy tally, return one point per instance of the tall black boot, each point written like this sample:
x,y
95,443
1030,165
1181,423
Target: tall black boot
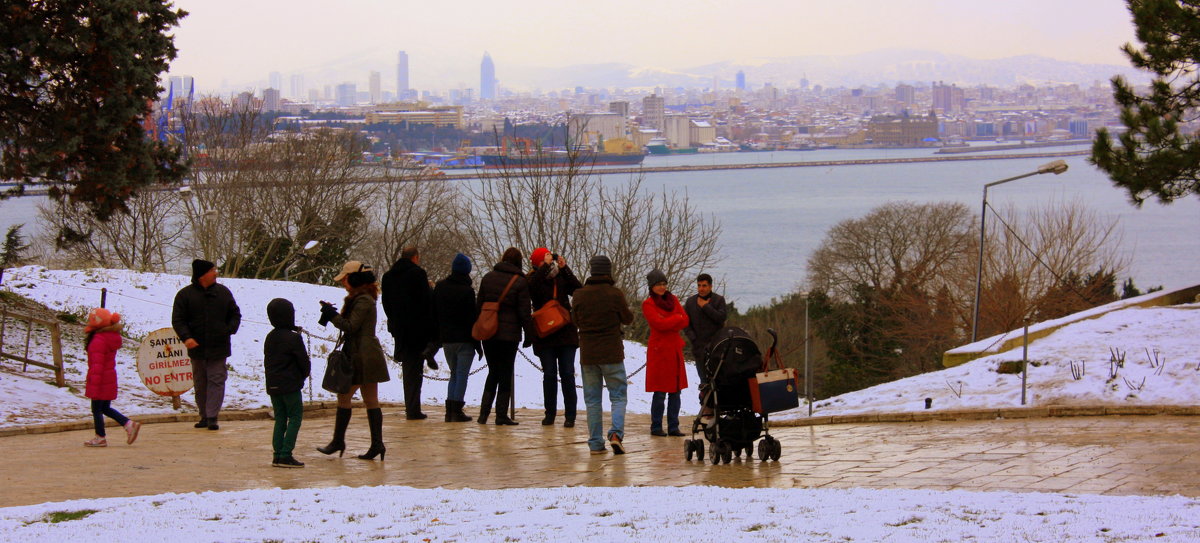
x,y
485,404
454,412
340,422
375,422
502,407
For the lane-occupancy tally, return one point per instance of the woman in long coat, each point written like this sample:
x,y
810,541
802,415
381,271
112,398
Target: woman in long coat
x,y
665,373
514,319
357,320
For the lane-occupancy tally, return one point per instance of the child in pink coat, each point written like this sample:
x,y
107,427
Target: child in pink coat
x,y
103,341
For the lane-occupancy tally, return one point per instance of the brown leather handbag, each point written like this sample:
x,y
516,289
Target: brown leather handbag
x,y
551,317
488,321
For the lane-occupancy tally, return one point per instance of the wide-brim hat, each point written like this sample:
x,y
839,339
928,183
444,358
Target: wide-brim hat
x,y
351,267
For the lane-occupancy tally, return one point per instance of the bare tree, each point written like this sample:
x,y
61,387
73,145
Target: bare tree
x,y
257,201
1042,251
141,238
415,208
571,210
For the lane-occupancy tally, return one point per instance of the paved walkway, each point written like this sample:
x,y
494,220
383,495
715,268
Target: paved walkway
x,y
1096,455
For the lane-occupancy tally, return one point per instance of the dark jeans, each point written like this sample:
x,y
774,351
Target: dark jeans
x,y
208,376
100,408
458,357
656,411
501,356
558,363
289,412
414,375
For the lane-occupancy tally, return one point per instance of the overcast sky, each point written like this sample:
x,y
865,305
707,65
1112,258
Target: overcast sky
x,y
238,42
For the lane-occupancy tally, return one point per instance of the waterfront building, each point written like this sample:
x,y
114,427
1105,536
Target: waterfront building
x,y
948,98
903,130
654,108
593,128
906,94
620,108
487,78
677,130
416,113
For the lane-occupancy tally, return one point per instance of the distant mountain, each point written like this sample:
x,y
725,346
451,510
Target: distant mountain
x,y
884,66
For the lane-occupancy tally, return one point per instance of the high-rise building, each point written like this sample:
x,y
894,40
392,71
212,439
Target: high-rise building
x,y
620,108
948,98
906,94
376,91
401,74
346,94
297,88
741,80
654,108
487,78
180,88
275,80
270,99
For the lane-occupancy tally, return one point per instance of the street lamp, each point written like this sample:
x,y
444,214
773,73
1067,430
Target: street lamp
x,y
1056,167
807,371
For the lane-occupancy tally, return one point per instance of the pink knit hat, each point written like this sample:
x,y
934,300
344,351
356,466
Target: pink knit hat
x,y
99,318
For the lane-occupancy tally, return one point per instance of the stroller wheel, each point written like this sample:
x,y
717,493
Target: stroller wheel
x,y
726,454
714,455
763,453
750,450
688,449
776,449
698,445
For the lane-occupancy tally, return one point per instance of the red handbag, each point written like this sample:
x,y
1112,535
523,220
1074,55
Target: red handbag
x,y
551,317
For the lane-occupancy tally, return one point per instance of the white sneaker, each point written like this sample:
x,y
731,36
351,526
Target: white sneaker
x,y
97,441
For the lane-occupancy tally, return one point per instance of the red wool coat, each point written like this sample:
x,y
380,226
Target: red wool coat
x,y
664,351
102,365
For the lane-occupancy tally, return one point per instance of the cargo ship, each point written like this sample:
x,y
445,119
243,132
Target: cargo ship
x,y
521,153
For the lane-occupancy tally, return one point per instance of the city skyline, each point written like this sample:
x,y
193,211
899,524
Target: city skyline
x,y
361,36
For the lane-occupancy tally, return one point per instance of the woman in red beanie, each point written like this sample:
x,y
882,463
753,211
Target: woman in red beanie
x,y
103,331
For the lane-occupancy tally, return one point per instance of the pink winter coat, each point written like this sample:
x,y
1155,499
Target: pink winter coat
x,y
664,351
102,364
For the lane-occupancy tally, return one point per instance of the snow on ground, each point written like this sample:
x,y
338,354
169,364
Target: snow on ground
x,y
609,514
144,302
1161,346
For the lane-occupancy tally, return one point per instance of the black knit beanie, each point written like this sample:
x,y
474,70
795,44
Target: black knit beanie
x,y
201,267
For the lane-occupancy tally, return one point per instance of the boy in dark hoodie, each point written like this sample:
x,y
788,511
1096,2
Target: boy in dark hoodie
x,y
286,366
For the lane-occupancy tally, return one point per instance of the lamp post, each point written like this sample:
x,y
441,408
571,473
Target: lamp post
x,y
807,371
308,247
1056,167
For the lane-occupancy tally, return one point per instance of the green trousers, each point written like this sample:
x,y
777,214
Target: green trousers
x,y
289,411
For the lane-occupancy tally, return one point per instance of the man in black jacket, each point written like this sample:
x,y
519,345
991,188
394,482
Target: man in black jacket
x,y
407,304
454,312
204,316
285,366
706,316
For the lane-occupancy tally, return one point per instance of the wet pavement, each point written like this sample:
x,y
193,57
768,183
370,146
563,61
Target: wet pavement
x,y
1143,455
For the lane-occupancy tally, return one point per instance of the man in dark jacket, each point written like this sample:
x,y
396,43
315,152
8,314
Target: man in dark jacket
x,y
204,316
286,366
407,303
600,311
455,314
551,278
706,316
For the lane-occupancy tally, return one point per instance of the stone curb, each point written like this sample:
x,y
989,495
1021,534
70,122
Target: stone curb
x,y
318,409
991,414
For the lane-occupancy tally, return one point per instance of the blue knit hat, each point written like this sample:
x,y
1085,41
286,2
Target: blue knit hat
x,y
461,264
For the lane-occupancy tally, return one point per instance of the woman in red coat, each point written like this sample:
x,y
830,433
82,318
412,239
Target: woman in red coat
x,y
665,374
103,331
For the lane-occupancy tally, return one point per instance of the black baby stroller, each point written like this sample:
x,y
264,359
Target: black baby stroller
x,y
727,419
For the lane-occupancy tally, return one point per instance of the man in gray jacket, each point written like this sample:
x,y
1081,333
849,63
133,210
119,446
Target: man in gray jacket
x,y
204,317
706,316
